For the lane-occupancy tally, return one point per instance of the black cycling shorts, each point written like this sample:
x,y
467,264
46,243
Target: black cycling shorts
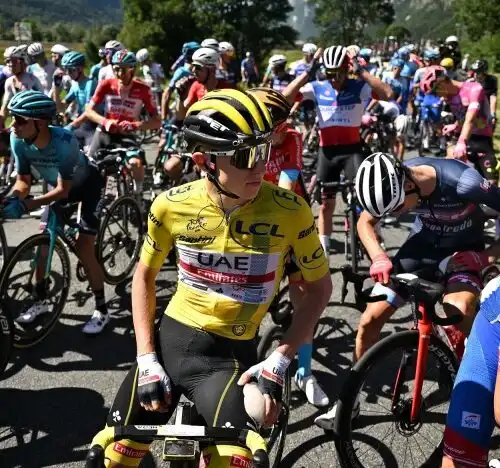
x,y
483,156
422,258
332,160
202,366
88,188
102,139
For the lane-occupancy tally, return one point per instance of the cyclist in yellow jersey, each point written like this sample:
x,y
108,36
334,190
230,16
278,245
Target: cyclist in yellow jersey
x,y
232,233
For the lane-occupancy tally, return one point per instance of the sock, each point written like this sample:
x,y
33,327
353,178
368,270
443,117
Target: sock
x,y
138,186
305,358
100,301
41,289
325,243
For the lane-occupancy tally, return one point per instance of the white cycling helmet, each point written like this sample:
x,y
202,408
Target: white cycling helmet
x,y
59,49
8,51
205,57
225,47
451,39
20,52
115,45
335,57
353,50
277,60
142,55
380,184
211,43
35,49
411,48
309,48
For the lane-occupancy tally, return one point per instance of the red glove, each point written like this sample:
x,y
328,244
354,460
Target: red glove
x,y
126,126
469,260
110,125
381,268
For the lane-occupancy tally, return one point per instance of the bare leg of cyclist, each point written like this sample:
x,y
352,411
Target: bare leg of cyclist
x,y
372,320
138,173
461,298
325,221
173,168
86,253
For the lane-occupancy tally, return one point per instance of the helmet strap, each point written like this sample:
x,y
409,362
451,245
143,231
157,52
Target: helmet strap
x,y
33,139
212,177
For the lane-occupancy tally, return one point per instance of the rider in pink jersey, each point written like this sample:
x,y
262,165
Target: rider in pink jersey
x,y
474,121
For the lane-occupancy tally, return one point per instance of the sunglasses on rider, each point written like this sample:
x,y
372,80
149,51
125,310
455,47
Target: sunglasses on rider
x,y
20,121
335,74
247,158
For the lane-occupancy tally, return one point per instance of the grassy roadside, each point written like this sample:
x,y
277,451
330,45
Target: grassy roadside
x,y
496,136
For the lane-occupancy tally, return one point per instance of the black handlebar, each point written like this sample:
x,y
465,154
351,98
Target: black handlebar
x,y
420,290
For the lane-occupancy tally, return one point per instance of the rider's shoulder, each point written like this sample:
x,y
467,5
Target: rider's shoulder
x,y
491,291
181,197
278,200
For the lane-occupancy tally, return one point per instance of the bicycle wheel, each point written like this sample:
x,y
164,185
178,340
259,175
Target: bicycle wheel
x,y
3,247
6,339
17,288
276,435
386,418
119,239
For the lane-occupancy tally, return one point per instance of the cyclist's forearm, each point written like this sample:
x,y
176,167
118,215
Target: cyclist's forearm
x,y
382,90
306,315
58,193
493,105
292,89
79,120
152,124
368,236
143,309
467,127
165,99
92,115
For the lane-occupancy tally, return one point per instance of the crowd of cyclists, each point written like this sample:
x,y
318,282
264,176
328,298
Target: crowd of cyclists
x,y
236,237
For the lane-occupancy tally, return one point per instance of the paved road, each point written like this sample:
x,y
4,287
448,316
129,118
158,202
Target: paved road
x,y
57,394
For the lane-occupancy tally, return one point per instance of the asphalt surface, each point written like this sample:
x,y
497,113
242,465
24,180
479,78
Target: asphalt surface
x,y
55,397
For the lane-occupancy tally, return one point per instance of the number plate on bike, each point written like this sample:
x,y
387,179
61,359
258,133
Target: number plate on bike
x,y
179,449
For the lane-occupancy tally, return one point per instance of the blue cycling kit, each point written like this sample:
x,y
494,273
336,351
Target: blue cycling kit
x,y
81,91
451,215
94,71
471,414
61,157
180,73
449,220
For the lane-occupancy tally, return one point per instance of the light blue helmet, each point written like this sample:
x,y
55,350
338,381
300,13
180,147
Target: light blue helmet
x,y
190,47
431,54
397,62
32,105
73,59
366,53
403,53
124,58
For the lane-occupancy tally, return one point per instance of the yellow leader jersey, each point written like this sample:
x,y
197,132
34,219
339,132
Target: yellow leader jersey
x,y
230,266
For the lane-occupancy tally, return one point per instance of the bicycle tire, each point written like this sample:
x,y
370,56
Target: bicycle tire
x,y
21,339
343,422
119,204
4,250
270,335
6,339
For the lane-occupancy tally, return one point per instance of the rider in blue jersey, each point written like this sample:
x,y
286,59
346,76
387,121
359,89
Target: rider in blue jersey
x,y
81,91
54,153
447,195
95,69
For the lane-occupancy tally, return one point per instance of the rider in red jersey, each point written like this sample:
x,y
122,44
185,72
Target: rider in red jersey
x,y
123,98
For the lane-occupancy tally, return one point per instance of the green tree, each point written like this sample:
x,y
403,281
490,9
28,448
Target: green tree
x,y
36,29
478,16
399,32
61,33
344,21
256,25
162,27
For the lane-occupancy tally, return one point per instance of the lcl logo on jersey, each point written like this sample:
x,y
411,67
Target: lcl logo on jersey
x,y
258,229
286,199
315,260
179,194
257,235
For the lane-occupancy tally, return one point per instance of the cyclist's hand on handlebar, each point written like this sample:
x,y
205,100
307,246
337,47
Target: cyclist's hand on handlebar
x,y
154,388
269,375
469,260
381,268
449,129
460,151
110,125
127,126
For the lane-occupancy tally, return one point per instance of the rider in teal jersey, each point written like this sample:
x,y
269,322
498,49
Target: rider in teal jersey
x,y
54,153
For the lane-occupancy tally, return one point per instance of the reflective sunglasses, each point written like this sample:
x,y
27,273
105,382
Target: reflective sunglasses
x,y
20,121
335,74
247,158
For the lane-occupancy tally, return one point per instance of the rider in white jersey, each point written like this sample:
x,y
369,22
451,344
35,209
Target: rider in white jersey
x,y
152,72
106,72
42,68
20,80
